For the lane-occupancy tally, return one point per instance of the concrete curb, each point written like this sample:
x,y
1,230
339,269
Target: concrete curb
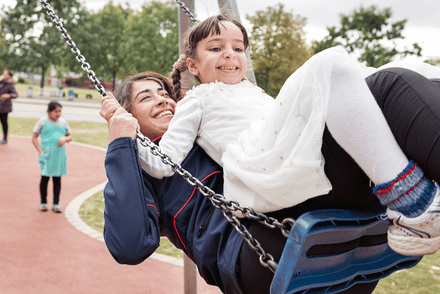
x,y
71,213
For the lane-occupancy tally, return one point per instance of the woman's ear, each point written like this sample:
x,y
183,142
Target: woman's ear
x,y
192,65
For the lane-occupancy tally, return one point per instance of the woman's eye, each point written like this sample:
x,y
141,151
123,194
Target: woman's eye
x,y
238,49
165,94
145,98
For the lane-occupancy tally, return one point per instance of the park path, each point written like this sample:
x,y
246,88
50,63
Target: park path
x,y
42,252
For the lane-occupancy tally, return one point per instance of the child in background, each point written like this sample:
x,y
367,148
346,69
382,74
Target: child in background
x,y
52,156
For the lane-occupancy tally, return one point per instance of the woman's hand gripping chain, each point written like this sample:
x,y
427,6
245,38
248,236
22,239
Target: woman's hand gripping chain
x,y
120,122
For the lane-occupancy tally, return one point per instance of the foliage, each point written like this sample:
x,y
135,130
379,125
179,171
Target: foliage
x,y
155,38
277,46
368,32
119,41
433,60
31,40
115,41
104,40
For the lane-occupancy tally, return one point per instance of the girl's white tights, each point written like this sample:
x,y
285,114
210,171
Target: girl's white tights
x,y
356,122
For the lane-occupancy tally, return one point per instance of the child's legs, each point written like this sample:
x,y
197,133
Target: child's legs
x,y
356,122
56,189
411,105
43,188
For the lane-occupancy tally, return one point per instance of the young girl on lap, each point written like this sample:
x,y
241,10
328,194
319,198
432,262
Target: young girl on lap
x,y
270,149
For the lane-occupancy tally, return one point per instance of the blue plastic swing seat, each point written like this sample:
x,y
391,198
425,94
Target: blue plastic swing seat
x,y
364,255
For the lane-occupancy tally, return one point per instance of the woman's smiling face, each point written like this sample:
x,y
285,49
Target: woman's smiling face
x,y
152,107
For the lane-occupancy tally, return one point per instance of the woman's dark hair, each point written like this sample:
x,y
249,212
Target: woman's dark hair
x,y
52,105
204,29
124,91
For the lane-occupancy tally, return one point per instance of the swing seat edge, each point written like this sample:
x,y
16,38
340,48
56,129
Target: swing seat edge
x,y
298,272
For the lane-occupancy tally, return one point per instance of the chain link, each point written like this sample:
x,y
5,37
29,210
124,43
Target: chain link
x,y
217,200
227,207
187,11
80,58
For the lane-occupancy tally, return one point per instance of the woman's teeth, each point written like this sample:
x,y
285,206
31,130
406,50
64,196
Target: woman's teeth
x,y
163,113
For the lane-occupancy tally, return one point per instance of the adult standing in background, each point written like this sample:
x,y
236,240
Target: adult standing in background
x,y
7,93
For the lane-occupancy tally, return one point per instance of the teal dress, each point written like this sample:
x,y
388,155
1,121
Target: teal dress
x,y
54,160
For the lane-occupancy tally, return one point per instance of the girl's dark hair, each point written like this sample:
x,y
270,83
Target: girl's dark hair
x,y
204,29
124,91
52,105
10,72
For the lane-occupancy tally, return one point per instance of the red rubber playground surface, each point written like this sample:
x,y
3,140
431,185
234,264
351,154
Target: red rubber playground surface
x,y
42,252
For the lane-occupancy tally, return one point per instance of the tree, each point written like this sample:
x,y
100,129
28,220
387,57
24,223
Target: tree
x,y
119,41
277,46
31,39
104,40
366,32
155,35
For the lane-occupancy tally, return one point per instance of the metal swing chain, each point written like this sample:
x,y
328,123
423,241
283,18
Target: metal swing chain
x,y
218,200
80,58
187,11
227,207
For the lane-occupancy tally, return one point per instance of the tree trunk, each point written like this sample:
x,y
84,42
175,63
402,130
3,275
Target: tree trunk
x,y
43,70
114,81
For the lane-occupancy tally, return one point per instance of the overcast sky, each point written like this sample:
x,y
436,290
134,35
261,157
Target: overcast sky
x,y
422,27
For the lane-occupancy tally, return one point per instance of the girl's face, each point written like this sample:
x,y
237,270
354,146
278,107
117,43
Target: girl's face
x,y
152,107
55,114
220,57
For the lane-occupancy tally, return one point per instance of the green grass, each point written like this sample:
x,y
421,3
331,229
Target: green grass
x,y
92,210
424,278
82,132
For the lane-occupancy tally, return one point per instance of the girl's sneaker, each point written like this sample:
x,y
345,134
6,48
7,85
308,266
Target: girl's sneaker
x,y
56,208
416,236
42,207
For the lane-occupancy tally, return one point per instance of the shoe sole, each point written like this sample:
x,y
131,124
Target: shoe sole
x,y
413,246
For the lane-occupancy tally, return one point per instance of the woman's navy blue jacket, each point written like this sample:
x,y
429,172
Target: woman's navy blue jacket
x,y
139,209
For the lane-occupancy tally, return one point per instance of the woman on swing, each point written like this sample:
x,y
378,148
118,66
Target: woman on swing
x,y
200,230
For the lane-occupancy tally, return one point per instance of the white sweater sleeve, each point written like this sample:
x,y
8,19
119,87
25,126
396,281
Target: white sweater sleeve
x,y
177,141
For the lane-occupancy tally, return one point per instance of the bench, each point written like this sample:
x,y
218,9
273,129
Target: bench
x,y
56,93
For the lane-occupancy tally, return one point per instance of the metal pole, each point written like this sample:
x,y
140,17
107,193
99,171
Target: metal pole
x,y
230,7
189,268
